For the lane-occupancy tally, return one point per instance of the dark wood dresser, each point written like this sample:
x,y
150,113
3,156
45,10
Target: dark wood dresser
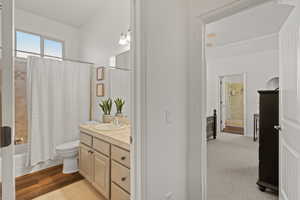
x,y
268,140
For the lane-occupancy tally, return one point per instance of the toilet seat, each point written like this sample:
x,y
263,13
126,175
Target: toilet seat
x,y
69,153
68,146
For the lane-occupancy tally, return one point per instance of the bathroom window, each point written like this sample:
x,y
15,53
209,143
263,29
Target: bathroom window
x,y
27,44
53,48
30,44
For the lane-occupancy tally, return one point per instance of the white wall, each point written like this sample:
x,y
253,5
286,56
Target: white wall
x,y
36,24
100,36
99,40
165,27
258,58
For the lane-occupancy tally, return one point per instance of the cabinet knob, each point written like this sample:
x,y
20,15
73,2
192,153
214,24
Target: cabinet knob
x,y
123,158
123,179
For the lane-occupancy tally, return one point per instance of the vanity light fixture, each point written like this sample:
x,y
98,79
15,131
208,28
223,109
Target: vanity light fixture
x,y
123,39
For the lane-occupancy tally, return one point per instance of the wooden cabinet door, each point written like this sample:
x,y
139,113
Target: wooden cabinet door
x,y
101,174
118,194
85,162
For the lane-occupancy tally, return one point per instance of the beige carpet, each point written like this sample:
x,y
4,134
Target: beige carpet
x,y
233,169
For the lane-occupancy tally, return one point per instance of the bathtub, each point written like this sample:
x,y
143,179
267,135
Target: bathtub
x,y
21,169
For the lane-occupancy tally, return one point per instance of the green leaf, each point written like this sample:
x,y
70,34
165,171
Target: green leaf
x,y
119,104
106,106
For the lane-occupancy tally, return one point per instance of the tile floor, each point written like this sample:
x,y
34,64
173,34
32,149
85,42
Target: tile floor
x,y
80,190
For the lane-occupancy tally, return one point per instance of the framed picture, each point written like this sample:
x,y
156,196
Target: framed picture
x,y
100,90
100,73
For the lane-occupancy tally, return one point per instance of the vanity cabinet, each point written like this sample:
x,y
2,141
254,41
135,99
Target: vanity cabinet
x,y
101,173
118,194
86,162
106,166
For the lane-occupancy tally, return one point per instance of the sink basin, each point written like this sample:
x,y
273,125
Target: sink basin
x,y
109,127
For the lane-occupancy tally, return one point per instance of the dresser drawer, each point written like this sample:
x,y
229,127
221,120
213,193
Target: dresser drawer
x,y
121,176
118,193
120,156
86,139
101,146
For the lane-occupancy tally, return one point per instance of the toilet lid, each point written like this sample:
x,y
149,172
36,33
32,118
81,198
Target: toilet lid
x,y
68,145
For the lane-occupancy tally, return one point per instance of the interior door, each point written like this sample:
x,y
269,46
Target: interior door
x,y
289,146
232,102
7,101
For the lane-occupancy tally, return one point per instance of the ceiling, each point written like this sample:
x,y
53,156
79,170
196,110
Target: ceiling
x,y
255,22
70,12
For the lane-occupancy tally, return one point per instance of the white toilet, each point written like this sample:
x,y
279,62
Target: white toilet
x,y
69,153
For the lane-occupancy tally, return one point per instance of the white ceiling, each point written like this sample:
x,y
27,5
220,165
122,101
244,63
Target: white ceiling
x,y
255,22
71,12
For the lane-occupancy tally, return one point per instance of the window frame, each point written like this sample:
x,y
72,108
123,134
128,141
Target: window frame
x,y
42,46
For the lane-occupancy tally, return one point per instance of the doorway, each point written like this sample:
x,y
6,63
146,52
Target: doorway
x,y
59,45
232,104
231,52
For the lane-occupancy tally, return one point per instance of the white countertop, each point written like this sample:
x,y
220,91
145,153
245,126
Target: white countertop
x,y
118,137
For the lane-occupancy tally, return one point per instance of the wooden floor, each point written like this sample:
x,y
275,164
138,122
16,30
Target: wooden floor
x,y
36,184
234,130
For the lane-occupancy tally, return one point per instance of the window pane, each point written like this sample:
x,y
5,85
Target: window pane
x,y
53,48
28,42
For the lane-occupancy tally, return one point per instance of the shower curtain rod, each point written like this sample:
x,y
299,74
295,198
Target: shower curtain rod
x,y
84,62
72,60
37,54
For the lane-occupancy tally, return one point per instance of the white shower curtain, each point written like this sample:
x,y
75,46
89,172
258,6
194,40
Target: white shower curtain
x,y
58,95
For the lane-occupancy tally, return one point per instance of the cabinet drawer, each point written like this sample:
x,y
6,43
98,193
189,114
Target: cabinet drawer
x,y
86,139
118,194
121,176
101,146
120,156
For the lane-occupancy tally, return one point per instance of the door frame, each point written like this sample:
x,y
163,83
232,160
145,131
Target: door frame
x,y
8,99
197,92
138,101
244,76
